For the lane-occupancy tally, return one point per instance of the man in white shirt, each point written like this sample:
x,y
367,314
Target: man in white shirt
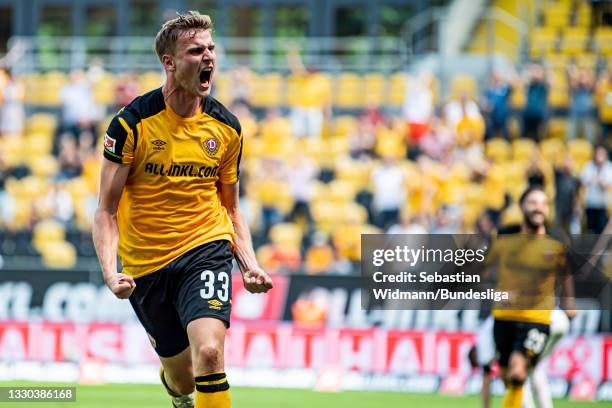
x,y
597,179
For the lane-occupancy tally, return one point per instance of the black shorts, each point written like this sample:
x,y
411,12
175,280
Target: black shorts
x,y
523,337
196,284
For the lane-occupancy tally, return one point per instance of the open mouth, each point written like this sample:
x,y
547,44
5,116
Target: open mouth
x,y
205,76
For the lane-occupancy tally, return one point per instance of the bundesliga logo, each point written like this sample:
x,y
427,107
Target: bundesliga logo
x,y
211,146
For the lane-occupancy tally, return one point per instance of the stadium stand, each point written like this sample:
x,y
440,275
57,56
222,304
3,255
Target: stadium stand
x,y
49,166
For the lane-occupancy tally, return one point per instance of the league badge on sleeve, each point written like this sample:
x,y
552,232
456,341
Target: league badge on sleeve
x,y
109,143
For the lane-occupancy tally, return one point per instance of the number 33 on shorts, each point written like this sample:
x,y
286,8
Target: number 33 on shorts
x,y
216,286
535,341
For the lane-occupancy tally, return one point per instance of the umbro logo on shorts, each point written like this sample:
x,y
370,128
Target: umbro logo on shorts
x,y
215,304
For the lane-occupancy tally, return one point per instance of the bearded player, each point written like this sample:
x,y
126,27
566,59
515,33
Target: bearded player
x,y
530,266
169,206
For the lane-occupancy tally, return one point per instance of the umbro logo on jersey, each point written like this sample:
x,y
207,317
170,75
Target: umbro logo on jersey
x,y
158,144
211,146
215,304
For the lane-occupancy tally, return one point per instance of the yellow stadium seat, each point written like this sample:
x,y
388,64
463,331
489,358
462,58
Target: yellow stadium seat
x,y
268,90
556,15
348,91
286,234
586,61
150,80
59,255
341,192
523,149
581,151
41,123
104,89
583,14
603,40
558,98
552,149
344,126
557,61
518,97
397,89
497,149
37,145
463,85
376,85
47,231
557,128
574,40
223,88
43,166
543,40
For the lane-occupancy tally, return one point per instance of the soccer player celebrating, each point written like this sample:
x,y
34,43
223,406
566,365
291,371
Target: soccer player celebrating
x,y
169,205
530,265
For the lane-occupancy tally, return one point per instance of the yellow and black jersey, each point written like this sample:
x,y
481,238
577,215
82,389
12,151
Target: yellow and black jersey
x,y
527,268
170,203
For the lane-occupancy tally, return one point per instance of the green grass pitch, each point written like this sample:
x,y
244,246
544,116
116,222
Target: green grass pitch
x,y
153,396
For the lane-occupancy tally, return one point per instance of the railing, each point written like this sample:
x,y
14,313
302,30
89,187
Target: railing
x,y
359,54
423,33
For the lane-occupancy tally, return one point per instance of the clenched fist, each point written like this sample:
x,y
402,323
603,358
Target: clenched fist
x,y
257,281
121,285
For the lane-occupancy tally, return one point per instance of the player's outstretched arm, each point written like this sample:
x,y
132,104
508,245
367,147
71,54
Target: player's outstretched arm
x,y
105,231
568,301
255,279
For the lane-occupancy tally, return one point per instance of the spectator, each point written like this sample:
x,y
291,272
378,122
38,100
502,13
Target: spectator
x,y
363,141
12,113
7,202
471,127
457,109
277,258
582,85
446,221
597,179
57,203
320,256
410,224
438,142
78,107
127,89
302,176
313,101
496,106
536,106
242,79
70,163
310,309
534,173
604,105
419,106
567,187
388,189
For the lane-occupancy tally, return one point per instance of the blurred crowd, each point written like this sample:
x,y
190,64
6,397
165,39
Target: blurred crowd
x,y
315,174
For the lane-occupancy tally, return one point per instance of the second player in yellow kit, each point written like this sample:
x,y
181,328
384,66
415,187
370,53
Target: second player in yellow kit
x,y
530,265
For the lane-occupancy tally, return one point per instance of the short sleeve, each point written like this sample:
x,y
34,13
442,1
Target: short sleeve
x,y
119,140
229,169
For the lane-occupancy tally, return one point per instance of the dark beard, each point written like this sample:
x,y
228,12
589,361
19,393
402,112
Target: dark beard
x,y
527,219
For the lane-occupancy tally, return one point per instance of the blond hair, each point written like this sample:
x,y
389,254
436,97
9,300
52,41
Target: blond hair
x,y
165,40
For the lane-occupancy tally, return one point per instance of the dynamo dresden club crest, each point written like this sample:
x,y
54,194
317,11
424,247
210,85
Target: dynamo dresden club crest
x,y
211,146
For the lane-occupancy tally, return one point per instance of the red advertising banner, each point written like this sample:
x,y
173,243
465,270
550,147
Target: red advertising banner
x,y
273,345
